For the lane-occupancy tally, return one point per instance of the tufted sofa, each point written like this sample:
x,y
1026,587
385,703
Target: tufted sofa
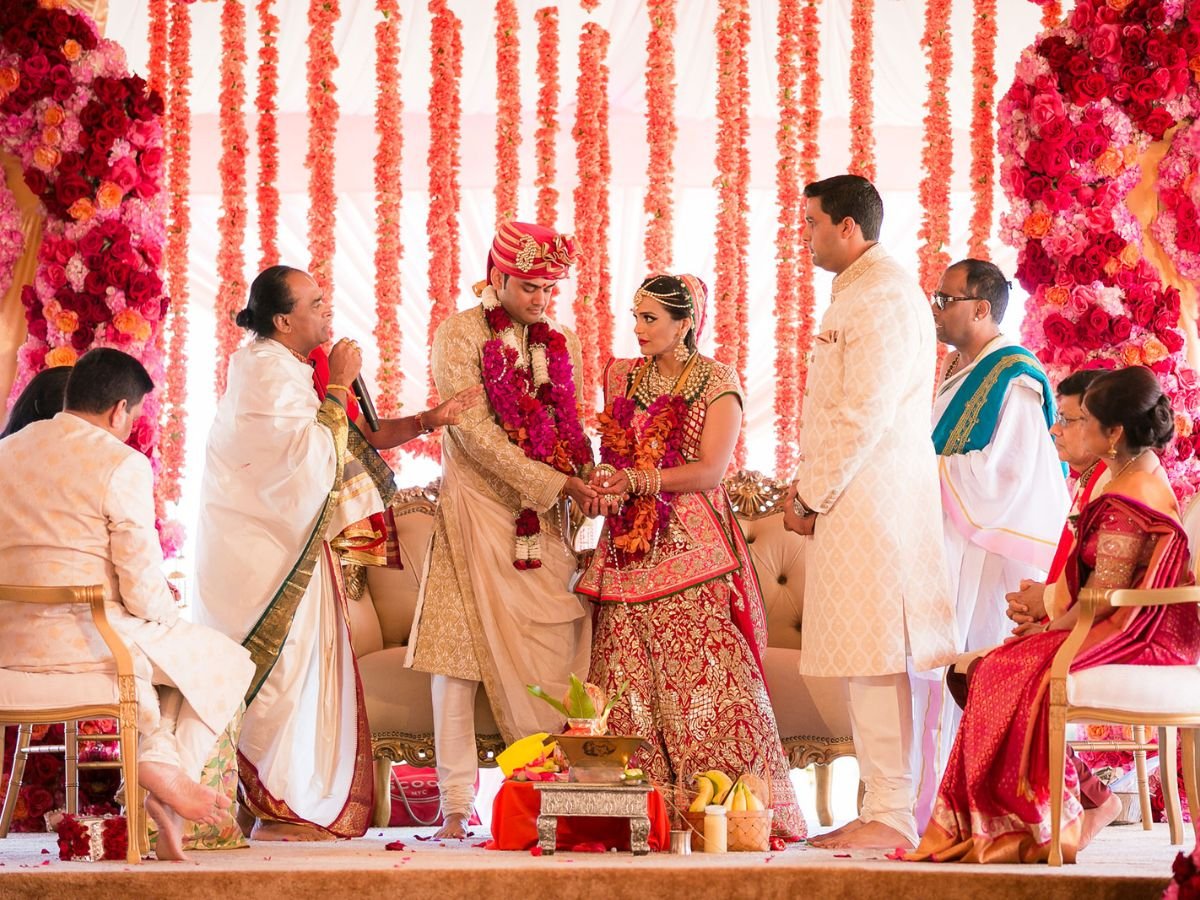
x,y
811,712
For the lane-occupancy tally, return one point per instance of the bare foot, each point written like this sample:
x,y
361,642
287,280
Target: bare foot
x,y
1094,820
822,840
454,828
168,844
269,830
173,788
870,836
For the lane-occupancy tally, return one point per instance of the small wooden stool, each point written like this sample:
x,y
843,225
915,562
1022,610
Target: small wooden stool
x,y
607,800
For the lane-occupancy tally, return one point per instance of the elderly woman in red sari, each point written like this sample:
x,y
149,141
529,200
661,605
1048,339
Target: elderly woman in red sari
x,y
679,614
994,801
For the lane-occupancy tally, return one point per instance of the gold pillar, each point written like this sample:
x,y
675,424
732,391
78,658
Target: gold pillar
x,y
12,313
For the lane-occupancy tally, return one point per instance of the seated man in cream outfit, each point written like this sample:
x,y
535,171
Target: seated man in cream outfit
x,y
79,509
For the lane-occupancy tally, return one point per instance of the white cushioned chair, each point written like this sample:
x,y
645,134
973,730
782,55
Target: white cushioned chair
x,y
1162,697
811,712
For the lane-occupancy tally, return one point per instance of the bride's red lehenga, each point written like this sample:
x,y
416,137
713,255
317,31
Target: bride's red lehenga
x,y
994,801
685,626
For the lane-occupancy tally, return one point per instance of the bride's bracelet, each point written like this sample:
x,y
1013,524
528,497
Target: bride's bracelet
x,y
644,481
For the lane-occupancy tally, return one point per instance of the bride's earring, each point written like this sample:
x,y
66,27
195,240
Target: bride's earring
x,y
682,353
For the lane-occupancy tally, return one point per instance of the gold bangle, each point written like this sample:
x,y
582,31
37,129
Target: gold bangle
x,y
421,426
336,387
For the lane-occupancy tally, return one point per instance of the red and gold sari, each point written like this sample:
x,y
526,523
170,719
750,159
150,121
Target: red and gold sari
x,y
685,626
994,801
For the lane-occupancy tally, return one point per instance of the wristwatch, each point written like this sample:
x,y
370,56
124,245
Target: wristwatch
x,y
801,508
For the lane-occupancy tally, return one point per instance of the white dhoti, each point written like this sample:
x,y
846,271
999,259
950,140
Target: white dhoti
x,y
882,725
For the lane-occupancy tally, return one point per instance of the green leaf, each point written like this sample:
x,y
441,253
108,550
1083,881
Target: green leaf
x,y
542,695
578,701
612,701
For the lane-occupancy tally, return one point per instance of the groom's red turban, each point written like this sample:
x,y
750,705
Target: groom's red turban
x,y
531,251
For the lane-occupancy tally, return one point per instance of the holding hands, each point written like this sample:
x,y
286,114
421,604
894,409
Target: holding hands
x,y
794,518
612,489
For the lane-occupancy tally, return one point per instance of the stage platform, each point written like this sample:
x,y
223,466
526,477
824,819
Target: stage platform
x,y
1124,863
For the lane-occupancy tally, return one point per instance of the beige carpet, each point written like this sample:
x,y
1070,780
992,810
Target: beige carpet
x,y
1124,863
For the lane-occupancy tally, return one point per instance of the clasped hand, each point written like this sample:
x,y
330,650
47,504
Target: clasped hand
x,y
1027,607
605,492
792,520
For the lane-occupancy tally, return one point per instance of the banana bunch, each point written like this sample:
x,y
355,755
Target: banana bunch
x,y
715,787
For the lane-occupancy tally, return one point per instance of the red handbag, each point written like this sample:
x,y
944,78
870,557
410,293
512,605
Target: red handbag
x,y
416,800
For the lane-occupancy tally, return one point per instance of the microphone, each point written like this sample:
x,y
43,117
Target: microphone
x,y
364,403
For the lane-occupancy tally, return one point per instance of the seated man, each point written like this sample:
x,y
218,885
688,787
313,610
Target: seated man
x,y
78,510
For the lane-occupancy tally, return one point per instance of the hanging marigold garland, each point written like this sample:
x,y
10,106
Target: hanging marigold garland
x,y
810,151
231,279
1051,14
732,33
604,312
787,235
589,5
156,40
445,123
661,132
937,156
179,153
862,106
590,105
388,247
508,109
547,115
743,222
983,141
322,134
267,131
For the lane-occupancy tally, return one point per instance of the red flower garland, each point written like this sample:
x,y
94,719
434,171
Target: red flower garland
x,y
388,247
590,215
445,124
1051,14
589,5
862,106
322,135
604,312
173,442
267,131
810,126
787,237
508,109
75,838
983,142
536,404
732,30
661,132
937,156
547,116
656,445
231,278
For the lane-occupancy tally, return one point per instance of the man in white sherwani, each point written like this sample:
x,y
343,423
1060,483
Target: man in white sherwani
x,y
1004,496
866,491
79,509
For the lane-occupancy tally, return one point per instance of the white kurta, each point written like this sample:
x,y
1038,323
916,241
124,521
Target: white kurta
x,y
1003,509
79,509
875,585
269,469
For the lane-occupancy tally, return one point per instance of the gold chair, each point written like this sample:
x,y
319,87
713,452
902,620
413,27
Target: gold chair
x,y
1162,697
26,700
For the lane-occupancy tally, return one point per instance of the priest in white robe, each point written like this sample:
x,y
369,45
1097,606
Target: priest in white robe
x,y
1004,495
286,475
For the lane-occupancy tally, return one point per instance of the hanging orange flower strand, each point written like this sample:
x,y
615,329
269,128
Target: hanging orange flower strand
x,y
178,128
231,278
267,131
810,126
322,134
862,104
388,247
547,115
660,133
508,109
445,123
983,141
937,156
787,236
156,39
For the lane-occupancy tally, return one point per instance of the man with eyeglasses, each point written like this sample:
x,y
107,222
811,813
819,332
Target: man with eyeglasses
x,y
1003,493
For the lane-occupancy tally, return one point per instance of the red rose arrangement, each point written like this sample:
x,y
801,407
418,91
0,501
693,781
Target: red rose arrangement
x,y
76,838
535,402
1089,98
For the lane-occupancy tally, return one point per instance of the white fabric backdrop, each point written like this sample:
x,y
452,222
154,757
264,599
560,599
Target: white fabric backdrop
x,y
899,81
